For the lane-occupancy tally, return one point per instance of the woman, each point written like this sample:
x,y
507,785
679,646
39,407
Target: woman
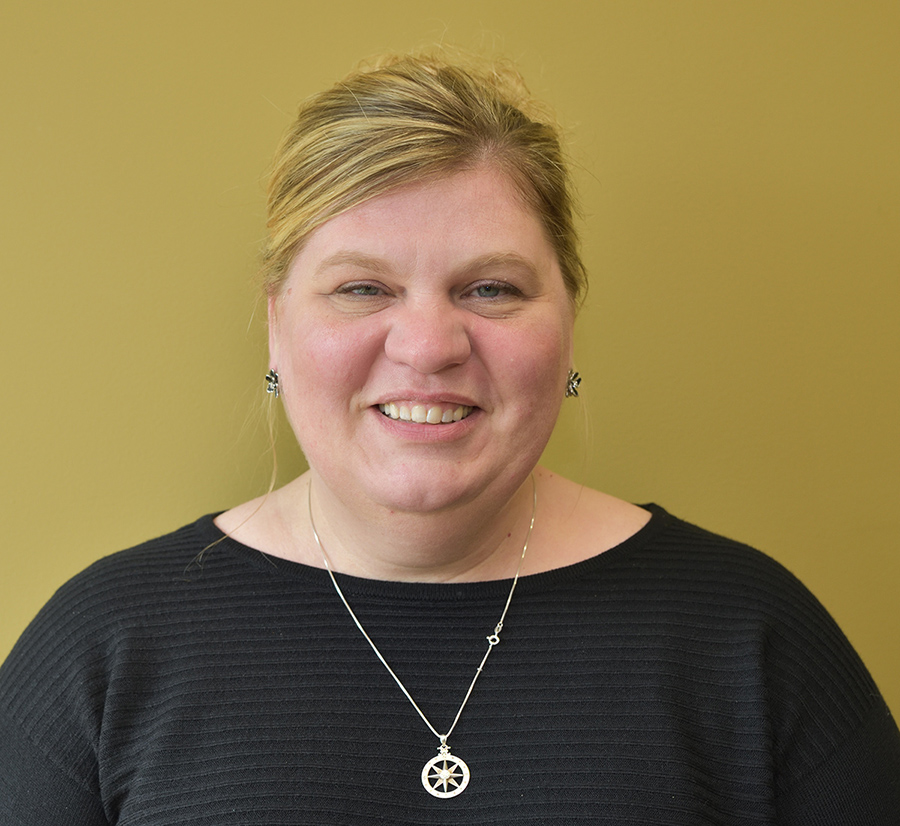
x,y
496,643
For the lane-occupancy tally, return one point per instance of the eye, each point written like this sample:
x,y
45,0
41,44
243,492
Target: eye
x,y
360,290
494,290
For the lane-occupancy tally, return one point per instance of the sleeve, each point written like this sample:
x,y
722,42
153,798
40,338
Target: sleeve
x,y
836,745
858,784
35,792
51,696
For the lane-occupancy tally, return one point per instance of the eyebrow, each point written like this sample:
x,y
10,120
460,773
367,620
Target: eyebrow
x,y
380,266
501,259
354,259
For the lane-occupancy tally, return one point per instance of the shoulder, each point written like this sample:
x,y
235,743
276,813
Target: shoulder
x,y
717,606
122,578
83,624
709,578
655,549
818,693
662,563
736,580
674,556
699,615
55,680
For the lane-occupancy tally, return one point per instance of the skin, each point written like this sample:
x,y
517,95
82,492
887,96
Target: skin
x,y
446,296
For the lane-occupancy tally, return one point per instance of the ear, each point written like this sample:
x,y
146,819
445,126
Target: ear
x,y
273,324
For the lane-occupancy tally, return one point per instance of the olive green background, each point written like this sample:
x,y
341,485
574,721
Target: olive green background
x,y
738,164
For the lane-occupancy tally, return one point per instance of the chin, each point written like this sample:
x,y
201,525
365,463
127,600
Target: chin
x,y
417,492
423,489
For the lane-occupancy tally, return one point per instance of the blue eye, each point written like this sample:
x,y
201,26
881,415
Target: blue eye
x,y
492,290
362,290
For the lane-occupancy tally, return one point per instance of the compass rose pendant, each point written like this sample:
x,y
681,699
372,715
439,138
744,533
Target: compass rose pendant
x,y
445,775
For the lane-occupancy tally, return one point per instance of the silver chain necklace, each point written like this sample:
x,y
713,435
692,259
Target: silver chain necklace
x,y
445,775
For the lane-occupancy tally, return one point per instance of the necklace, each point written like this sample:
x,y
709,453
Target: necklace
x,y
445,775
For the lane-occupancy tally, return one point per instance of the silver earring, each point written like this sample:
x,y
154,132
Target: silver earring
x,y
272,380
572,382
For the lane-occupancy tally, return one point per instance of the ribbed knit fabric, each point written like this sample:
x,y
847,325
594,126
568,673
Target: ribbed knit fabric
x,y
678,678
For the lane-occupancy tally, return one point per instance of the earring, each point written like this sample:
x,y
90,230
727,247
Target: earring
x,y
272,380
572,382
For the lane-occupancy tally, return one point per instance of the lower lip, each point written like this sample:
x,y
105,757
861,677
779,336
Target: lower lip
x,y
428,433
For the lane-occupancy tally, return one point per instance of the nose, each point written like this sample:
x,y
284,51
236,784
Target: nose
x,y
428,336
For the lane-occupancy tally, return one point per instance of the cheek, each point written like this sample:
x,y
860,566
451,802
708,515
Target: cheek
x,y
532,366
324,358
546,350
324,367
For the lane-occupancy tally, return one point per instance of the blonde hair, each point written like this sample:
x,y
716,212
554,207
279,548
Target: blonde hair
x,y
405,119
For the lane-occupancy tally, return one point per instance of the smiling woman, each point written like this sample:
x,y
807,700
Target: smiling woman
x,y
300,657
442,298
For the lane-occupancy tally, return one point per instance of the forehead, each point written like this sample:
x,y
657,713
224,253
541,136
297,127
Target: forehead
x,y
439,222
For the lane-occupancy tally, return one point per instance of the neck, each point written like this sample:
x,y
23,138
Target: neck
x,y
479,540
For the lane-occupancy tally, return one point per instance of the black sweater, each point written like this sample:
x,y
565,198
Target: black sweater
x,y
679,678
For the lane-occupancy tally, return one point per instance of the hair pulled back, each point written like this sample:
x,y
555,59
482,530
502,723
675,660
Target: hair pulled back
x,y
406,119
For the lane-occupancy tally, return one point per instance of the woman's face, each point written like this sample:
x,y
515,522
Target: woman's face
x,y
422,340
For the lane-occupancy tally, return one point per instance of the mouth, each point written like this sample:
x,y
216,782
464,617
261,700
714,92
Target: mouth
x,y
425,413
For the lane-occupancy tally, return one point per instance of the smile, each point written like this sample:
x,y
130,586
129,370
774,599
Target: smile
x,y
425,414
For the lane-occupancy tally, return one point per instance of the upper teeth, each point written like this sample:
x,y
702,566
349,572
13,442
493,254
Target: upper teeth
x,y
425,414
